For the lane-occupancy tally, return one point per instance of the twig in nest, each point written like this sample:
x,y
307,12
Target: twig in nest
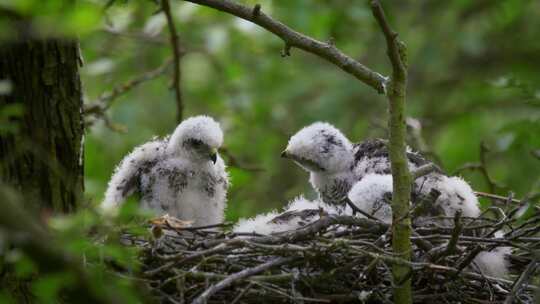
x,y
451,247
358,210
241,293
424,170
344,253
203,298
482,167
496,197
518,284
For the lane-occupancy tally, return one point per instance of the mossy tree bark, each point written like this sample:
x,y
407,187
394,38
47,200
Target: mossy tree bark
x,y
396,93
401,222
43,157
41,154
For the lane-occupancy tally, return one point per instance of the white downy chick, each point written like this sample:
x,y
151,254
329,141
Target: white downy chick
x,y
328,156
455,194
182,175
298,213
334,163
370,195
494,263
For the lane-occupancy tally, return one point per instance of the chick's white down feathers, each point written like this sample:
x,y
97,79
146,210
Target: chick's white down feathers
x,y
455,194
267,224
494,262
373,192
202,128
371,196
362,173
323,144
119,186
180,175
343,165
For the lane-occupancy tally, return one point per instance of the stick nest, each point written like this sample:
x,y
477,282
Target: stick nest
x,y
340,259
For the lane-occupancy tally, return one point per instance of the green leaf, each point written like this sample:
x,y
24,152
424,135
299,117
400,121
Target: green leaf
x,y
46,287
24,266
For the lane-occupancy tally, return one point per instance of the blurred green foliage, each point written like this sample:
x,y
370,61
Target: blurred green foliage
x,y
473,78
89,238
54,18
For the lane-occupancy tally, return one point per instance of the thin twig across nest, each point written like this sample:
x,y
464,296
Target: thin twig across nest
x,y
341,259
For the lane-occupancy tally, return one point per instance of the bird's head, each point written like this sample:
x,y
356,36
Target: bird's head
x,y
320,148
198,138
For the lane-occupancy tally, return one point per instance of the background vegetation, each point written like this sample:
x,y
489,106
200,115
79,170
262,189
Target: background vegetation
x,y
474,86
473,79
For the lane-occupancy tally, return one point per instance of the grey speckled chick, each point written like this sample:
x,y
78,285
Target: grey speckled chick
x,y
360,173
181,175
334,163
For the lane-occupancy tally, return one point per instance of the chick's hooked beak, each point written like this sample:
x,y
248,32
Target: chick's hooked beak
x,y
213,155
285,154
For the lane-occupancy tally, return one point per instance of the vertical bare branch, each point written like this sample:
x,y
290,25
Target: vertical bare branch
x,y
401,224
395,47
175,44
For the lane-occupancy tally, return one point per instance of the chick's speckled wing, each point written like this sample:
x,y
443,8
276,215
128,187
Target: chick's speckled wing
x,y
125,179
162,185
221,173
335,192
186,190
371,157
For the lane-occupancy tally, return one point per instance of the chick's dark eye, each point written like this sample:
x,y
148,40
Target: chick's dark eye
x,y
194,143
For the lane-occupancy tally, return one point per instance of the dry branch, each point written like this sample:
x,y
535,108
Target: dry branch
x,y
424,170
337,258
104,102
203,298
292,38
518,284
175,45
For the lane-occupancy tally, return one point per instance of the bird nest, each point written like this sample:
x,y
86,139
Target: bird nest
x,y
339,259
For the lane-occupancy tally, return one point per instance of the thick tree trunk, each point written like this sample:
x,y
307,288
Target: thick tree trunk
x,y
43,158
